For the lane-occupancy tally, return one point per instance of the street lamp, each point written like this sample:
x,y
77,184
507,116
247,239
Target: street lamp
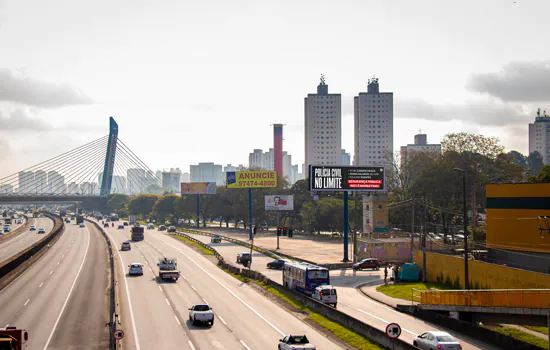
x,y
466,284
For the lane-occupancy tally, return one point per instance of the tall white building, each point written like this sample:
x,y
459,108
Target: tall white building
x,y
420,145
26,180
206,172
55,182
287,165
346,158
323,127
185,177
256,159
373,126
539,136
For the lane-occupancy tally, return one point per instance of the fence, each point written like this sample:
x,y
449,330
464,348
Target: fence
x,y
524,298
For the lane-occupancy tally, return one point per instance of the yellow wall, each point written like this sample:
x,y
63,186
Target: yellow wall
x,y
518,229
445,268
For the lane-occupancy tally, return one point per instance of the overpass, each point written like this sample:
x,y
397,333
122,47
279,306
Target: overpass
x,y
92,171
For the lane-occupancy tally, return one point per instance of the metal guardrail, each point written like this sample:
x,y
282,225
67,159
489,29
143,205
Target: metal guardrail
x,y
206,246
523,298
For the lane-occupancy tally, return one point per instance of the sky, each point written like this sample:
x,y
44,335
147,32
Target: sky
x,y
203,81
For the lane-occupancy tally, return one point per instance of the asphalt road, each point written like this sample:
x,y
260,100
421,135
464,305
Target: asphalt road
x,y
156,313
350,300
24,239
50,298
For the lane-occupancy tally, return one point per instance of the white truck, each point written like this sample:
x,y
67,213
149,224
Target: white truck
x,y
132,219
168,269
201,313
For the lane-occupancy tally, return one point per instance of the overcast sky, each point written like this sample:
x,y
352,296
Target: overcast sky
x,y
200,81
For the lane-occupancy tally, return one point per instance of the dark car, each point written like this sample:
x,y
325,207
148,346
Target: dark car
x,y
105,225
172,229
120,227
125,223
276,264
216,239
162,228
370,263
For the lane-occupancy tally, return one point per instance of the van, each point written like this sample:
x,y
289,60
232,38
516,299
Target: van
x,y
326,294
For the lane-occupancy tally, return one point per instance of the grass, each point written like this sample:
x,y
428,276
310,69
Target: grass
x,y
354,339
239,277
404,290
543,330
195,244
523,336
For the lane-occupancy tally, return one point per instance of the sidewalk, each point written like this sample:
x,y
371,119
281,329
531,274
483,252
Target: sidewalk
x,y
370,291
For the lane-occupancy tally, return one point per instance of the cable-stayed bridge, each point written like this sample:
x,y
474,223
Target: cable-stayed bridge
x,y
96,169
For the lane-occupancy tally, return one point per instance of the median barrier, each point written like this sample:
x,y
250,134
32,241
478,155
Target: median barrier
x,y
16,265
113,299
331,313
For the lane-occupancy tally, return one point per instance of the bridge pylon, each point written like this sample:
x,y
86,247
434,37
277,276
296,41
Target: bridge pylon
x,y
109,159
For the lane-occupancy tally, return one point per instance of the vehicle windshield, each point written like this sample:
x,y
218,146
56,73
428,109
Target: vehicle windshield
x,y
202,308
298,339
317,274
445,338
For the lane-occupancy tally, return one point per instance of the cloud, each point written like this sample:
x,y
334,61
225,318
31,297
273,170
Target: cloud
x,y
517,82
479,112
17,87
22,119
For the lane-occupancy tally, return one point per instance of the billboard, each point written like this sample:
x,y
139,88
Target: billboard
x,y
251,179
346,178
279,202
198,188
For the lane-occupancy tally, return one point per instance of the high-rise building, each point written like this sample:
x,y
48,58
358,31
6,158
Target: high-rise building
x,y
72,188
294,175
6,188
346,158
420,145
185,177
287,165
136,181
373,124
323,127
206,172
270,159
256,159
88,188
119,184
55,182
26,182
539,136
278,149
40,181
171,180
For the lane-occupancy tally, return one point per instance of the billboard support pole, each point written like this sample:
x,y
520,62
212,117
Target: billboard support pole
x,y
198,210
346,227
277,229
250,213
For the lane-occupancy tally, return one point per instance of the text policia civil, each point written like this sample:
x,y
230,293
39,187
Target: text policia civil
x,y
346,178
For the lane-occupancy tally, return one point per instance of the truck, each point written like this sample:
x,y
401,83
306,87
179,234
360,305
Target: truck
x,y
36,214
13,338
62,212
132,219
201,313
79,219
138,233
168,269
114,217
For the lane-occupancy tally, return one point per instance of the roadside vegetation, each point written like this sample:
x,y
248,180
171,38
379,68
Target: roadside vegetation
x,y
523,336
354,339
405,290
194,244
543,330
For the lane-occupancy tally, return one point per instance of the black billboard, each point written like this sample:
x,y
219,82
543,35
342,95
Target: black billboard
x,y
346,178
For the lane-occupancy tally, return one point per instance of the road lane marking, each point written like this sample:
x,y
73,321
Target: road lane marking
x,y
167,302
183,277
26,302
221,319
206,302
40,284
230,291
177,320
51,272
244,344
62,256
193,288
70,292
380,319
160,288
191,345
58,263
7,325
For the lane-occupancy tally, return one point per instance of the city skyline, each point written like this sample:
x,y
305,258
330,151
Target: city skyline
x,y
52,93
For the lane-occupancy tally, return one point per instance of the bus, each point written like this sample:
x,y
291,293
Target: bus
x,y
304,278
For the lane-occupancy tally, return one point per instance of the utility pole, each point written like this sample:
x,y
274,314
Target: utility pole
x,y
412,227
465,209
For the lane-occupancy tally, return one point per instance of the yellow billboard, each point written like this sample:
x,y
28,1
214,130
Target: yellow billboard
x,y
251,179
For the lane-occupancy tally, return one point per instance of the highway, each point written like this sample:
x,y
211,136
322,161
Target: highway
x,y
61,299
25,239
350,300
156,313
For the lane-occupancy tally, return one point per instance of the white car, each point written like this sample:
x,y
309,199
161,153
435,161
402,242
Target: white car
x,y
436,340
135,269
32,228
325,294
295,342
201,313
81,225
41,230
1,231
19,221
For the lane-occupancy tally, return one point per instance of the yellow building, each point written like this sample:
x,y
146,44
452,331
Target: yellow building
x,y
518,217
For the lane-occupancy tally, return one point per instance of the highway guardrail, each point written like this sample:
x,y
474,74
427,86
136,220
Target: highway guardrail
x,y
524,298
16,265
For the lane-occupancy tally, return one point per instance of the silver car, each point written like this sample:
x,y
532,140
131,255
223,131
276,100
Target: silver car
x,y
435,340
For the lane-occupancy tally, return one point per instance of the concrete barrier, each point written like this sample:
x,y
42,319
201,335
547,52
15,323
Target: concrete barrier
x,y
16,265
10,235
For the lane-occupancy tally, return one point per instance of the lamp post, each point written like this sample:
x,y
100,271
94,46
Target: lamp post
x,y
466,284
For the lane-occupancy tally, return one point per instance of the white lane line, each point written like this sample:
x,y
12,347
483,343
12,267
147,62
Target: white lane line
x,y
191,345
177,320
380,319
230,291
193,288
183,277
7,325
221,319
206,302
136,340
62,256
70,292
51,272
244,344
167,302
160,288
40,284
58,263
26,302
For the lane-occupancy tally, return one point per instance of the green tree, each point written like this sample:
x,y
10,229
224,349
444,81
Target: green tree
x,y
142,204
116,202
535,163
518,158
543,176
165,206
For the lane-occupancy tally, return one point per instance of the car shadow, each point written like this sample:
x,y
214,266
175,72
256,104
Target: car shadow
x,y
161,281
197,326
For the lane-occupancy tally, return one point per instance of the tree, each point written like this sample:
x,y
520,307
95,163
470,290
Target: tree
x,y
543,176
116,202
534,163
165,206
155,189
142,204
518,158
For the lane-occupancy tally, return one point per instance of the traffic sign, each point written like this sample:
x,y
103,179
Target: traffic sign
x,y
118,334
393,330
